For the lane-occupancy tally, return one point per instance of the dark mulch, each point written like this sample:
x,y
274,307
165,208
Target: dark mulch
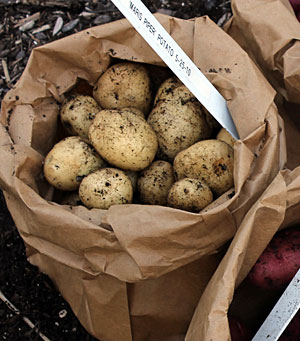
x,y
24,25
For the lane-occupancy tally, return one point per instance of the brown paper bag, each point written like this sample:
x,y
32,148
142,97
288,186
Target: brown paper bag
x,y
278,208
126,271
270,33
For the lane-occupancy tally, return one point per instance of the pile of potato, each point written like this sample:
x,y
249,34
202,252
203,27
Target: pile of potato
x,y
129,144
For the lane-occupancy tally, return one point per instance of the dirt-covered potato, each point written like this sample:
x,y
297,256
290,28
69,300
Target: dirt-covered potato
x,y
124,139
167,88
208,160
190,195
69,161
154,183
124,85
225,136
173,89
178,125
77,114
106,187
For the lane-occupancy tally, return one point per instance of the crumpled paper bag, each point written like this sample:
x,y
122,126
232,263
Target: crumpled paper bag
x,y
278,208
270,33
133,272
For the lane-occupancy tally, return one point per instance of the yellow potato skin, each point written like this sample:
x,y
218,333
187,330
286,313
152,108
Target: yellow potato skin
x,y
225,136
154,183
190,195
69,161
178,125
106,187
210,161
124,85
167,88
78,113
124,139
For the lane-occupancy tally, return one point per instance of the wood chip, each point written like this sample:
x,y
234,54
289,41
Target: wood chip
x,y
58,25
87,15
5,69
32,17
34,38
16,61
27,26
225,17
70,25
41,29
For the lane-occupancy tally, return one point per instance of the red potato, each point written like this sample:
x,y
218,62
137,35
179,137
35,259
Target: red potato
x,y
296,7
238,331
279,262
295,4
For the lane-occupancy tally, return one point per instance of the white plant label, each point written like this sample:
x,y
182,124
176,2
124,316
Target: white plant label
x,y
177,60
282,314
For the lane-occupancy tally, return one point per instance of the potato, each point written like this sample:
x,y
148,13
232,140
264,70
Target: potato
x,y
167,88
225,136
124,139
172,89
190,195
178,125
239,331
124,85
207,160
154,183
106,187
78,113
296,5
69,161
279,262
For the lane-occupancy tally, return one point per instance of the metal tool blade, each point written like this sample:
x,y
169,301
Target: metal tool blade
x,y
177,60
